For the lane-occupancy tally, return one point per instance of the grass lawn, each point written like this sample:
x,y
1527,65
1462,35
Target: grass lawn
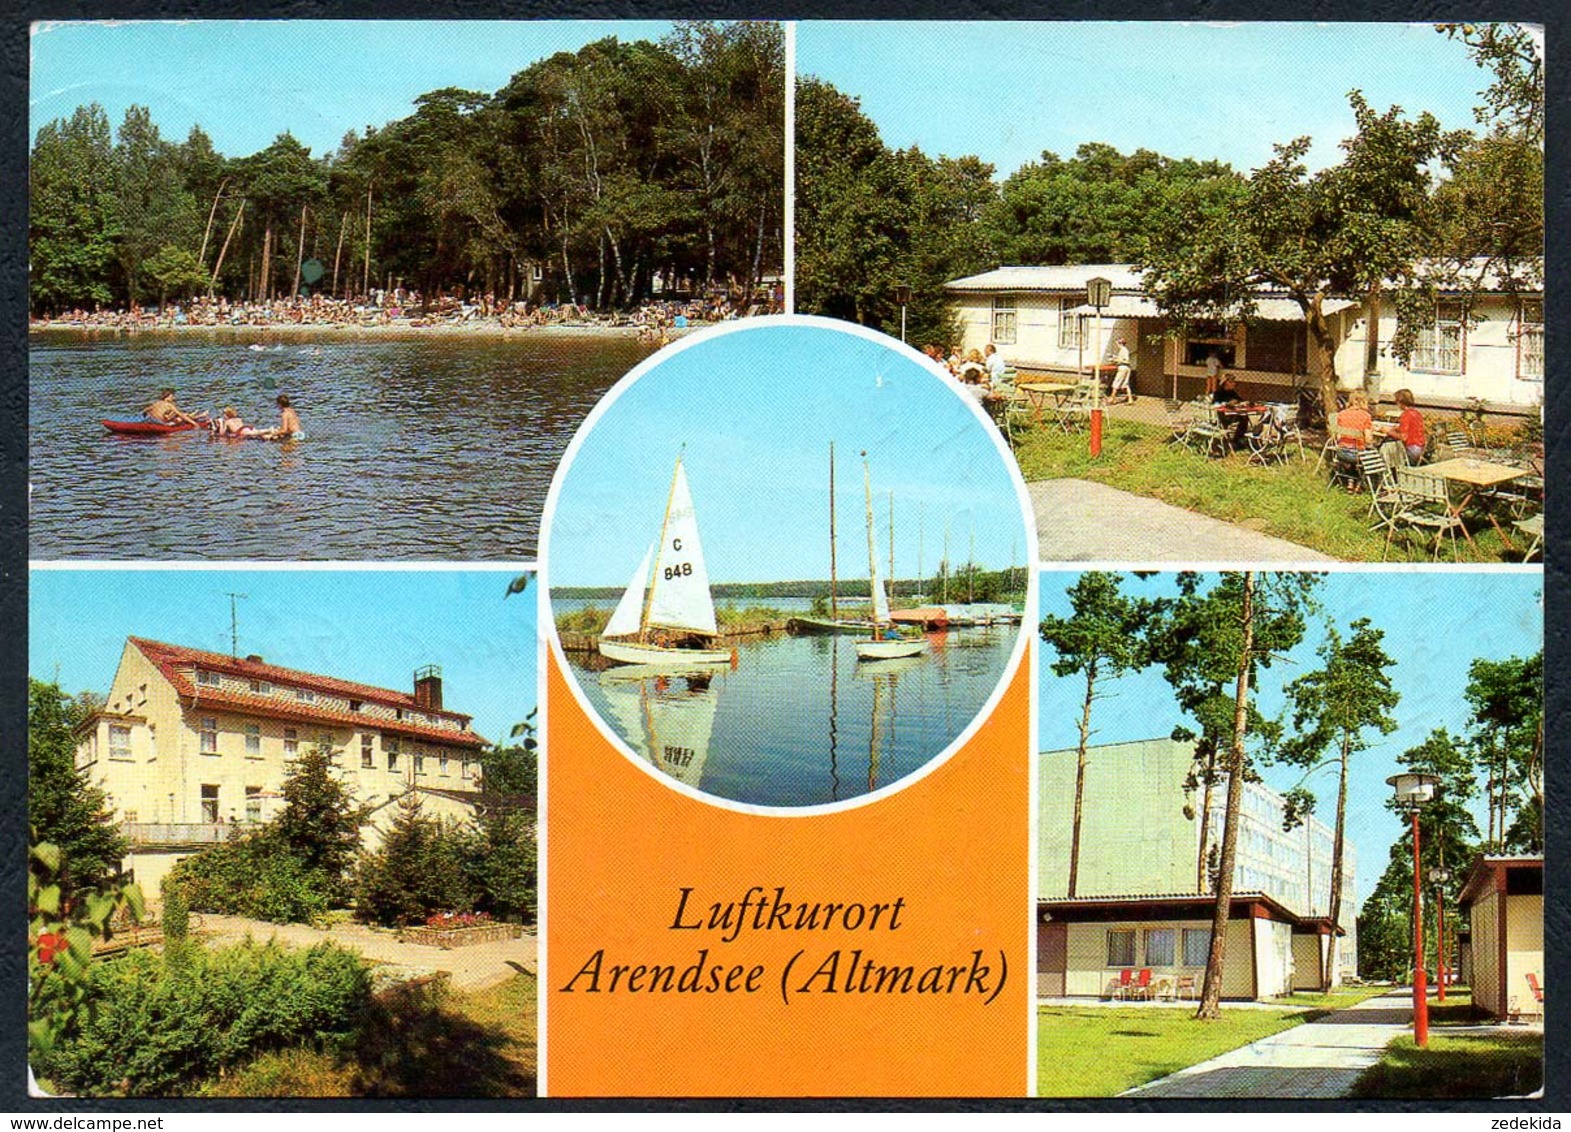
x,y
1501,1063
1090,1051
1290,501
443,1044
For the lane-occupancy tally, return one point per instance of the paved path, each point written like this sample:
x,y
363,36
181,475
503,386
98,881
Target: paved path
x,y
1081,521
471,968
1318,1059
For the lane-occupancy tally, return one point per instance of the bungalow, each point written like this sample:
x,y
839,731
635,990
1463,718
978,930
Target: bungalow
x,y
1039,320
191,744
1503,957
1139,900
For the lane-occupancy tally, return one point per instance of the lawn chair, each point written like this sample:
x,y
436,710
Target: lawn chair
x,y
1074,412
1207,433
1292,432
1018,418
1537,989
1187,987
1345,468
1423,503
1125,980
1141,988
1266,442
1178,420
1379,481
1534,528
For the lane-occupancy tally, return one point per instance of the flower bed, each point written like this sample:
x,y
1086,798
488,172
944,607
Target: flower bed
x,y
448,930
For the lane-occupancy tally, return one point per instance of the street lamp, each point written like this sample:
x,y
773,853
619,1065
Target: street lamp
x,y
1413,790
902,296
1438,876
1099,293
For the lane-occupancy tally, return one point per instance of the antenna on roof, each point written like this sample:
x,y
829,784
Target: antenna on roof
x,y
234,625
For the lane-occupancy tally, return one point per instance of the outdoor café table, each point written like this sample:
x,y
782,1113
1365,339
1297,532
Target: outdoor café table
x,y
1238,415
1038,393
1474,474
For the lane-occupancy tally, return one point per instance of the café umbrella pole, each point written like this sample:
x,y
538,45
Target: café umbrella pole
x,y
1098,292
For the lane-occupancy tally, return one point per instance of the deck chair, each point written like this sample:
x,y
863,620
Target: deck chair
x,y
1423,504
1266,442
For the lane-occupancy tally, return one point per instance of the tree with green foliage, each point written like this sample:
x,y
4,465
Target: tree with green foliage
x,y
74,212
1507,738
320,822
1104,637
1342,231
65,808
1334,707
418,869
1237,625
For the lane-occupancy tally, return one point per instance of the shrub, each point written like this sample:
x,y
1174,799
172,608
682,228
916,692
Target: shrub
x,y
159,1027
419,869
257,877
177,909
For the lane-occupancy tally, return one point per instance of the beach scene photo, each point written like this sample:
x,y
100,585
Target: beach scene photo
x,y
1231,283
786,564
276,317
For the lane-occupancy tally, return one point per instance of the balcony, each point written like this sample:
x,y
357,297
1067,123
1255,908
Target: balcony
x,y
178,834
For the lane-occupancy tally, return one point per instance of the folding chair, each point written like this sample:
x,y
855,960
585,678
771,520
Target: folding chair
x,y
1384,498
1423,504
1533,527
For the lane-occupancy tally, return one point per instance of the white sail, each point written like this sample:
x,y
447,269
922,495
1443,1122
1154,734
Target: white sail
x,y
680,586
625,617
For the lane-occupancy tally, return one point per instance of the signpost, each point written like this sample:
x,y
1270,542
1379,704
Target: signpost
x,y
903,297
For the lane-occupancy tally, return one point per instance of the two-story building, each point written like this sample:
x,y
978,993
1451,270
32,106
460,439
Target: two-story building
x,y
190,744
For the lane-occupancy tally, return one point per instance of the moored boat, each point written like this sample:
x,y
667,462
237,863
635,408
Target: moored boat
x,y
141,426
885,643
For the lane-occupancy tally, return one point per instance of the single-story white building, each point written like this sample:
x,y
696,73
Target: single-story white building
x,y
1039,320
1503,954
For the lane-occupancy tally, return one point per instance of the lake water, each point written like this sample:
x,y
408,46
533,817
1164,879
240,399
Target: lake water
x,y
800,721
432,447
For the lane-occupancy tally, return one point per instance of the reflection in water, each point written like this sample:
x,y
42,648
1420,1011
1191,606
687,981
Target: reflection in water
x,y
435,447
793,722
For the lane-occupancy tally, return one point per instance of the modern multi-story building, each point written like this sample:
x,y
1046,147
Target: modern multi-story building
x,y
190,744
1144,884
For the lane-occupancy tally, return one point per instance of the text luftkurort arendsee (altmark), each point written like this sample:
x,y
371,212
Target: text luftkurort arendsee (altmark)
x,y
830,967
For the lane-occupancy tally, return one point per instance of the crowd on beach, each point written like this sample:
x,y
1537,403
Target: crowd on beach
x,y
401,307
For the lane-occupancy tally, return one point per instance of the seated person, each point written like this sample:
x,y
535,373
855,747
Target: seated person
x,y
1226,393
1354,426
165,411
972,369
995,364
1409,437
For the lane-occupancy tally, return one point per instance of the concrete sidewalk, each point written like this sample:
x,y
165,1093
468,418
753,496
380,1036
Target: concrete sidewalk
x,y
1316,1060
1081,521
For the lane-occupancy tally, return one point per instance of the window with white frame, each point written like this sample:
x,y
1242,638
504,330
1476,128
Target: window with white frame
x,y
119,741
305,695
291,742
261,687
1160,943
253,740
1005,321
1530,340
390,746
1197,947
1440,344
209,735
367,752
1121,948
253,804
1068,323
207,678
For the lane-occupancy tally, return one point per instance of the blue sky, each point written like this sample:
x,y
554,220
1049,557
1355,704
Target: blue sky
x,y
1005,92
372,626
247,81
757,409
1436,623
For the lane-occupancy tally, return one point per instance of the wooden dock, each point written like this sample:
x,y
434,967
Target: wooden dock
x,y
731,634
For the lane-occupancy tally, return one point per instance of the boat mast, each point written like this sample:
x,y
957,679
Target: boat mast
x,y
654,571
872,551
943,568
891,550
971,568
834,594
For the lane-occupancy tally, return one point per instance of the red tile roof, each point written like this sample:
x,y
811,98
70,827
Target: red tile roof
x,y
174,660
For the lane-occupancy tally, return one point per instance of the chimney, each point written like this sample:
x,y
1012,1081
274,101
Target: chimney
x,y
428,688
254,658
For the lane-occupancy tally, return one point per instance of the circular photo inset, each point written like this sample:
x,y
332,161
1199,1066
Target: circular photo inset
x,y
786,564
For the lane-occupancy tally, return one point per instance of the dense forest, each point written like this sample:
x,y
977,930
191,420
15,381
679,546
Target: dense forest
x,y
1407,202
585,179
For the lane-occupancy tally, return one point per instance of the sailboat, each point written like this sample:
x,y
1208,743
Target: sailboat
x,y
666,616
878,648
808,625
